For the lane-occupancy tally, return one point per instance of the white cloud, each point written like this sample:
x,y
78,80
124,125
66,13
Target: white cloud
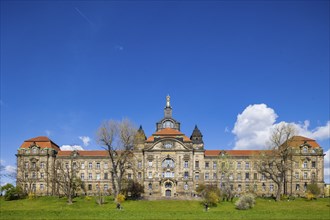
x,y
10,169
71,147
254,125
85,140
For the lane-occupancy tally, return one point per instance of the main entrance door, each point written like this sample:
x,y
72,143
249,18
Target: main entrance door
x,y
168,193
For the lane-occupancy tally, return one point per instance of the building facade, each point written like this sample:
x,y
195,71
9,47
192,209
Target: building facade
x,y
168,164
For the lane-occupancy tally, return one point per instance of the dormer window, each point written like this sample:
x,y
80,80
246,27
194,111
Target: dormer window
x,y
305,150
34,150
168,124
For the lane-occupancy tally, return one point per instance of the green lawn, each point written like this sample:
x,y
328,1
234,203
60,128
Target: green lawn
x,y
54,208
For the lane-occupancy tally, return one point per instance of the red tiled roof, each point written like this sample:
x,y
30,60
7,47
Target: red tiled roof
x,y
168,132
297,141
85,153
233,152
42,142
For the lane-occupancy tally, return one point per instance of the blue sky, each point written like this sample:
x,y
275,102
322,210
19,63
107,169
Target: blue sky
x,y
68,66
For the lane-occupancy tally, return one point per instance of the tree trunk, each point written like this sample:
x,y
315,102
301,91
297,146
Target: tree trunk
x,y
279,190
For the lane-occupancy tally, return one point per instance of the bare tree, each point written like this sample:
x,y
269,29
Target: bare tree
x,y
118,138
66,178
275,163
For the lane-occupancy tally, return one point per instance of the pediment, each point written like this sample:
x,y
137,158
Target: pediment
x,y
168,144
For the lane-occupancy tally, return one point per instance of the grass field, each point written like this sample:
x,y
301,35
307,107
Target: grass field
x,y
54,208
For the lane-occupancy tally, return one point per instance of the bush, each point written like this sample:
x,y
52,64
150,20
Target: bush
x,y
314,190
12,192
245,202
210,193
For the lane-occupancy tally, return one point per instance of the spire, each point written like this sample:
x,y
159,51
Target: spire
x,y
196,136
168,108
168,104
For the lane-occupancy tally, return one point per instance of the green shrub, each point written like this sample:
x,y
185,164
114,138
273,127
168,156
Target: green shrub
x,y
246,201
314,190
12,192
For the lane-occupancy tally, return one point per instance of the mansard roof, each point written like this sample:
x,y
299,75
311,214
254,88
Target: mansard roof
x,y
168,132
298,141
42,142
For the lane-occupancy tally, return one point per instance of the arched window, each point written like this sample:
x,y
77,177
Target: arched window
x,y
168,124
168,185
168,163
34,150
305,150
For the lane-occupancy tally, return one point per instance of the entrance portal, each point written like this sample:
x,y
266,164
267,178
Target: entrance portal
x,y
168,193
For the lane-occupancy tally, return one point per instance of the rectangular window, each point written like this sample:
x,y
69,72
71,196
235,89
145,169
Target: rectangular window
x,y
214,176
223,165
231,176
247,165
34,175
305,175
214,165
263,177
196,164
263,187
207,165
90,176
150,175
66,165
33,187
106,166
150,163
33,165
297,187
186,175
105,176
186,164
26,166
271,187
139,164
106,187
255,176
247,176
207,176
82,176
129,176
185,186
42,175
98,176
98,165
26,175
90,165
42,165
305,164
197,176
297,175
238,165
89,186
222,176
139,175
239,177
41,187
82,165
313,164
231,165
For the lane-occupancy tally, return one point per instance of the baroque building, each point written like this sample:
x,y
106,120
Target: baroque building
x,y
168,164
